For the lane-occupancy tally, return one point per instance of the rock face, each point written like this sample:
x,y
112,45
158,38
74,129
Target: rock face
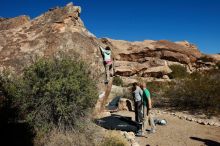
x,y
58,31
215,57
151,58
125,104
6,24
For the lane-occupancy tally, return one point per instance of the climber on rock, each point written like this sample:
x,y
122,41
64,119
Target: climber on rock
x,y
108,62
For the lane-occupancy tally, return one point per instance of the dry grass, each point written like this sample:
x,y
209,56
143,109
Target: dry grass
x,y
65,138
93,137
114,138
86,134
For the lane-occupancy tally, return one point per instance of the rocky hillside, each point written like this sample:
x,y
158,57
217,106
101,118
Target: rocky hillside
x,y
150,60
60,30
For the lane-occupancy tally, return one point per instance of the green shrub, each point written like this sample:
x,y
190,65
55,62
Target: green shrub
x,y
157,88
9,109
10,114
178,71
54,93
117,81
154,87
200,91
8,86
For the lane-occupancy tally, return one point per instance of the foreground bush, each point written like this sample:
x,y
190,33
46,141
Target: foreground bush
x,y
54,93
9,105
13,132
178,71
157,91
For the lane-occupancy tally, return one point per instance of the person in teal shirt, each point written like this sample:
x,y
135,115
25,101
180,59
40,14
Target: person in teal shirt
x,y
108,62
147,104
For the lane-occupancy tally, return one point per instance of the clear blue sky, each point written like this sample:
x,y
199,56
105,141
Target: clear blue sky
x,y
197,21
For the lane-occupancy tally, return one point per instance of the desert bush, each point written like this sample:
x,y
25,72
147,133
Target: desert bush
x,y
9,109
54,93
157,87
58,92
117,81
114,138
199,91
13,132
178,71
157,91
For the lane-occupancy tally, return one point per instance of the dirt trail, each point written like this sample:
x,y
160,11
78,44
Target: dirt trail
x,y
179,132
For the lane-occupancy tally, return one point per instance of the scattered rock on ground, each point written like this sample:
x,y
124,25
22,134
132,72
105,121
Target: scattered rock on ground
x,y
125,104
191,118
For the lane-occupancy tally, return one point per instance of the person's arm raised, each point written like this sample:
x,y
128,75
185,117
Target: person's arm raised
x,y
102,49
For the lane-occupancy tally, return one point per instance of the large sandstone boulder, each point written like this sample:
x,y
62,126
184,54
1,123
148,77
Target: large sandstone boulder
x,y
125,104
152,58
215,57
58,31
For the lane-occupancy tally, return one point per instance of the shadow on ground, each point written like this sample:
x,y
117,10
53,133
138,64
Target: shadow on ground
x,y
13,132
117,122
16,134
206,141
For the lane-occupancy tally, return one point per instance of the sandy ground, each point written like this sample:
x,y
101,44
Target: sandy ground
x,y
178,132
